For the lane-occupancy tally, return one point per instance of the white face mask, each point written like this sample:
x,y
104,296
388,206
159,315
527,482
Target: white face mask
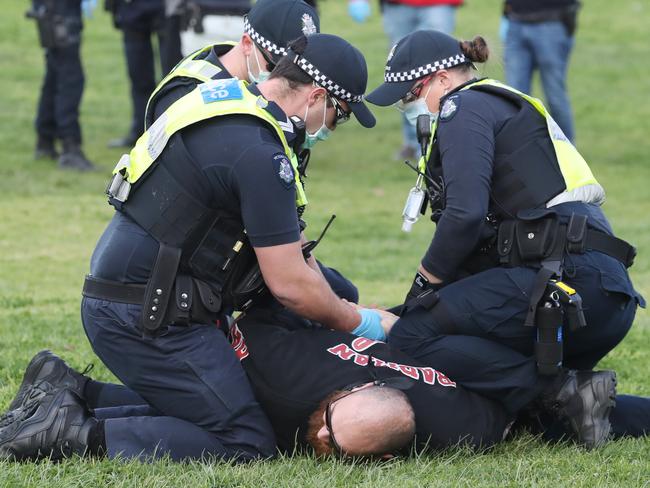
x,y
261,75
412,110
321,134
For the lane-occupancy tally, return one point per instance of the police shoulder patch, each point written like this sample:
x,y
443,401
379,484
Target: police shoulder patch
x,y
449,108
221,90
283,169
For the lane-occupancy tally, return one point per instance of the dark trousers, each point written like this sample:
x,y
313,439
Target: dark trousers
x,y
199,403
138,50
481,319
58,106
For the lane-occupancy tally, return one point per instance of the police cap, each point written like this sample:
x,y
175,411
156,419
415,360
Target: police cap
x,y
415,56
272,24
340,68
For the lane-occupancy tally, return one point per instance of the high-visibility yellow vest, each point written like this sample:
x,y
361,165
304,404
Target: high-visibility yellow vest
x,y
214,98
575,170
193,67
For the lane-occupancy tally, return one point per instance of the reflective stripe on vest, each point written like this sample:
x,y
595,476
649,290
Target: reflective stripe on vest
x,y
574,168
214,98
190,67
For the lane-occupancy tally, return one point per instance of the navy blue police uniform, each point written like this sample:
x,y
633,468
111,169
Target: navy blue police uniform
x,y
212,410
58,106
160,101
495,159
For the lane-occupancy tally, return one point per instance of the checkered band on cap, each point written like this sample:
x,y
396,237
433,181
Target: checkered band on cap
x,y
261,41
421,71
331,86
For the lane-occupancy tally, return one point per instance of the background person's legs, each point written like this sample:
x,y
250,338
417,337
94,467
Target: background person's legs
x,y
552,48
518,57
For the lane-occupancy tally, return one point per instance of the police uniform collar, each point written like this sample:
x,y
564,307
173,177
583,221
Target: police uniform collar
x,y
460,87
214,54
277,113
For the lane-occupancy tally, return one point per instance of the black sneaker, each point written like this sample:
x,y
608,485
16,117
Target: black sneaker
x,y
47,366
56,427
584,400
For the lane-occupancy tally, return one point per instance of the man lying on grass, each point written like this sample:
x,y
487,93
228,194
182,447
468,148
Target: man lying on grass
x,y
340,394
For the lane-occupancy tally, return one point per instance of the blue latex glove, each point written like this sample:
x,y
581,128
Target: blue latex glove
x,y
88,7
359,10
370,326
503,28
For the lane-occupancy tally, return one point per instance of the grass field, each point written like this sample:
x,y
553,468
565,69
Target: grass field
x,y
50,221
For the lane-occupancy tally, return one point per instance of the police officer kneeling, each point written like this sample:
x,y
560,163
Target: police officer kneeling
x,y
209,191
515,205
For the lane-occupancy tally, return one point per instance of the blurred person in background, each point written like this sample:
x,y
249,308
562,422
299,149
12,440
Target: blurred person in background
x,y
539,35
400,18
57,119
207,22
139,20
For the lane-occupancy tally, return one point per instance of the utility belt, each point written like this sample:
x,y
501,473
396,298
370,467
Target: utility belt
x,y
191,300
543,243
55,30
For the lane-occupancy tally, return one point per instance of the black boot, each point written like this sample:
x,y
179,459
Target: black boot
x,y
584,399
47,366
74,158
56,427
45,148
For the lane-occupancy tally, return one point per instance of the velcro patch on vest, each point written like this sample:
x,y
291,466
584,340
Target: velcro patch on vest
x,y
284,169
449,108
221,90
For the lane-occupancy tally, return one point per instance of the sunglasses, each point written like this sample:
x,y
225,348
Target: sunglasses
x,y
341,115
414,93
270,64
399,383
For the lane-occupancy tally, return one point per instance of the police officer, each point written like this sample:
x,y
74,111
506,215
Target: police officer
x,y
139,20
209,192
59,25
515,205
268,28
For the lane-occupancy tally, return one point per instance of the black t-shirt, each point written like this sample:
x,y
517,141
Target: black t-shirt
x,y
292,371
244,172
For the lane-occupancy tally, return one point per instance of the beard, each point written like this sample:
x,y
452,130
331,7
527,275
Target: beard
x,y
322,448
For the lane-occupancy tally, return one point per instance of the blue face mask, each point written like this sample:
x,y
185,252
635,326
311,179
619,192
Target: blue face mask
x,y
261,75
322,134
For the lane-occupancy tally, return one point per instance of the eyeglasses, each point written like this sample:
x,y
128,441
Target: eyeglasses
x,y
341,115
413,94
399,383
270,64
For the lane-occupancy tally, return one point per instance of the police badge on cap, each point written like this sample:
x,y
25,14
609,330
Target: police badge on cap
x,y
308,26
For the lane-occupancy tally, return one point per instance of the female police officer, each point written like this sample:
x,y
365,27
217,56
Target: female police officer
x,y
515,205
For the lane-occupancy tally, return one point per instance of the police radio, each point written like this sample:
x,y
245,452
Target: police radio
x,y
414,205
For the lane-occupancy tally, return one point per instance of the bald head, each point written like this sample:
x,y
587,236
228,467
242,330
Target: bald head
x,y
371,421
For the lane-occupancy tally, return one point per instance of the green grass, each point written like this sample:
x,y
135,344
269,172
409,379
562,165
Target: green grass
x,y
50,221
